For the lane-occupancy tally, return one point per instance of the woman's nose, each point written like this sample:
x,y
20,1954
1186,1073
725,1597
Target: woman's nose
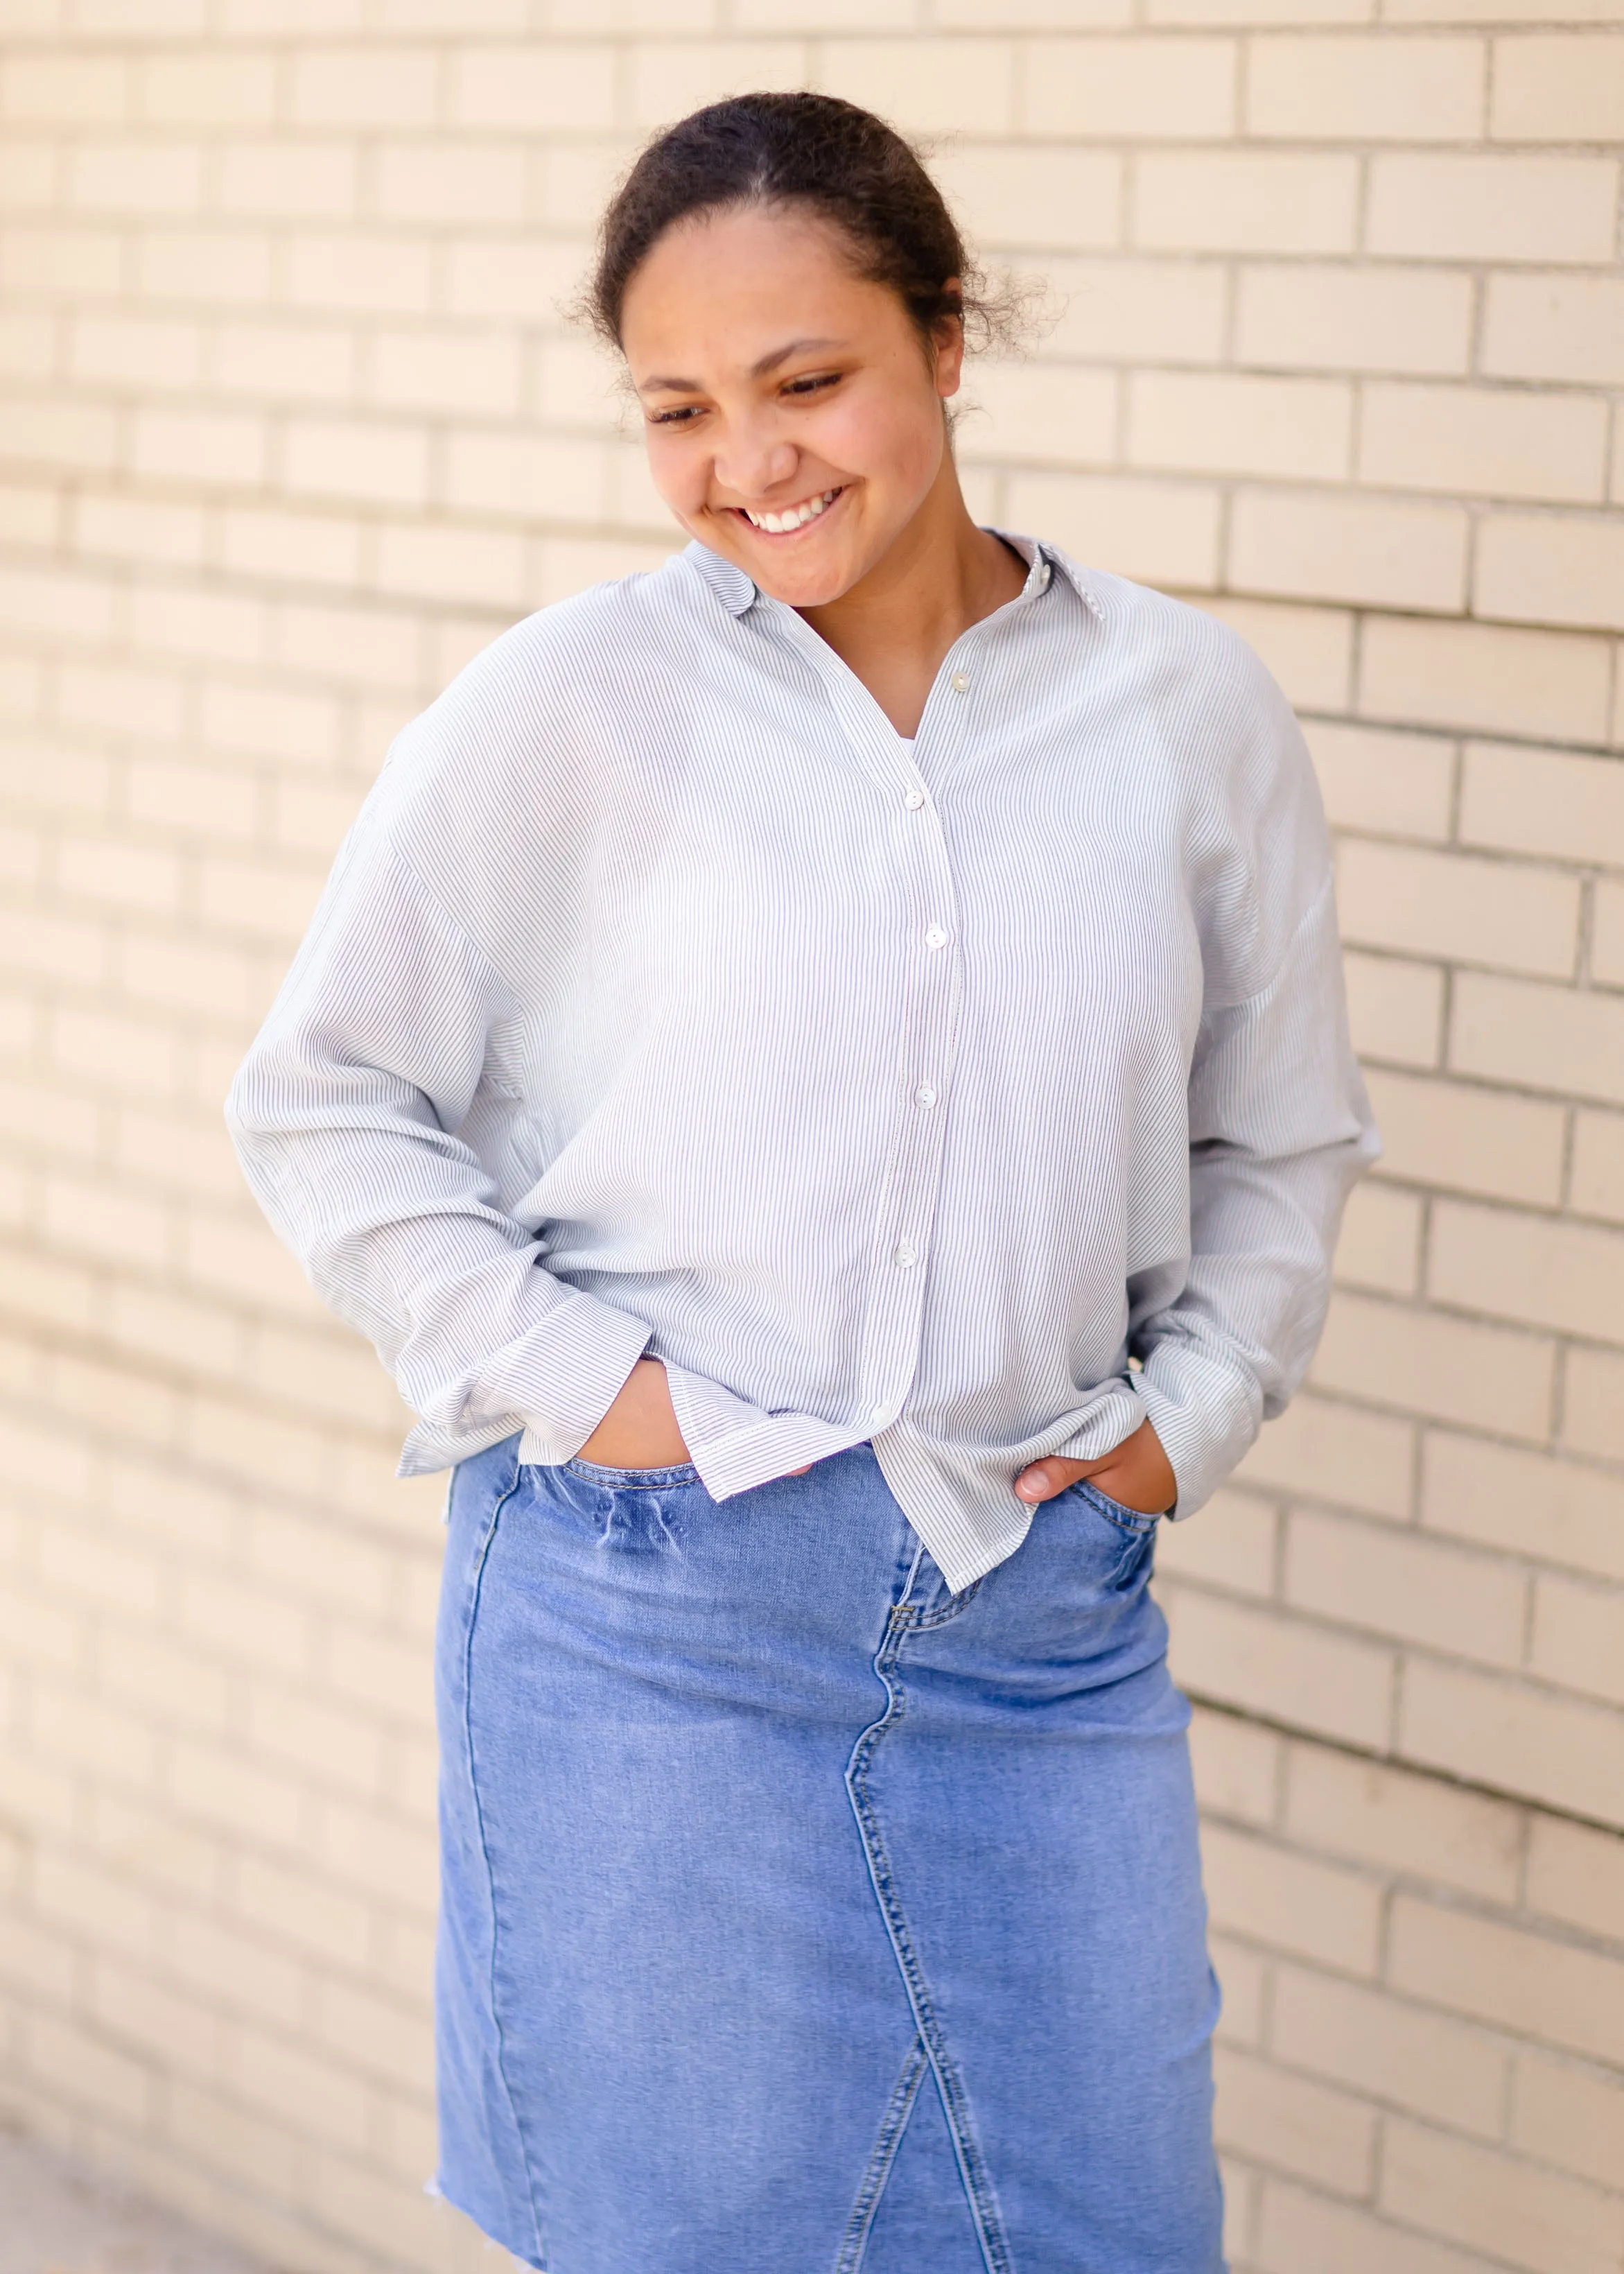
x,y
751,467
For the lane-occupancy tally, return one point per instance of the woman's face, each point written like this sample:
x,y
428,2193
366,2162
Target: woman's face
x,y
793,421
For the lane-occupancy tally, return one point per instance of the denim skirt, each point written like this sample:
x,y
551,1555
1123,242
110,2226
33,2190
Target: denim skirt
x,y
799,1916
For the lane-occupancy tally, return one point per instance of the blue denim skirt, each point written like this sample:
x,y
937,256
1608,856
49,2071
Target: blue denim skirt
x,y
799,1916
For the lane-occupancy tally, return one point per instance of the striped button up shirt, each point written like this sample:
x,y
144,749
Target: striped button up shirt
x,y
977,1096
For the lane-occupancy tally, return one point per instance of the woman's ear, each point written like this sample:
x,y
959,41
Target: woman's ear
x,y
949,332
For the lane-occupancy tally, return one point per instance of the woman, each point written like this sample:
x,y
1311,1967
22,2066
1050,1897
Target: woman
x,y
823,1072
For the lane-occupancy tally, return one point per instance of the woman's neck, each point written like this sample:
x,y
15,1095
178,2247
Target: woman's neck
x,y
941,576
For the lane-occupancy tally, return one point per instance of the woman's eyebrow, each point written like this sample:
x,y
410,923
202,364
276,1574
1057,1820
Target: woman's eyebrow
x,y
660,381
767,363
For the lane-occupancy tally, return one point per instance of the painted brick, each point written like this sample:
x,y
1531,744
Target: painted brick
x,y
1494,442
123,179
1543,802
519,477
1245,201
367,461
1558,88
1569,2116
1393,1584
1540,568
1237,1766
1394,1009
1397,2053
1262,1892
1356,549
1309,650
1064,414
1539,1270
286,362
1599,1165
1051,196
1546,1037
1577,1639
1535,2218
69,89
450,183
222,90
1253,1660
1157,532
291,547
1531,1742
1162,90
1240,425
1492,208
304,180
1562,326
205,267
1491,1972
1298,2230
1593,1404
1333,1452
1380,1247
532,88
1496,679
135,355
436,561
1427,1362
671,78
1607,933
490,276
1152,311
1293,2124
387,87
1371,1812
928,88
1231,1546
1468,1139
82,2065
1576,1872
341,272
1483,911
1351,89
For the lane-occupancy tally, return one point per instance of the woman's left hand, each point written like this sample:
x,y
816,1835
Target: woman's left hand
x,y
1137,1472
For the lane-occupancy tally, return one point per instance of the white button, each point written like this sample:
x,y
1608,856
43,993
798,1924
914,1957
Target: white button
x,y
924,1094
960,682
906,1256
914,799
936,936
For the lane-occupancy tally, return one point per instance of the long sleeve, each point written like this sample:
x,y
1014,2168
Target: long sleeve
x,y
1280,1130
346,1116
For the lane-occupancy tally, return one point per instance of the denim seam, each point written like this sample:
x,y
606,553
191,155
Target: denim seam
x,y
955,2102
490,1875
893,2124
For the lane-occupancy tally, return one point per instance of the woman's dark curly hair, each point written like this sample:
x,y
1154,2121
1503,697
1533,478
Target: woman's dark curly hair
x,y
809,150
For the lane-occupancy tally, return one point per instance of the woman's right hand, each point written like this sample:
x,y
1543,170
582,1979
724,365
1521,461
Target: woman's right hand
x,y
640,1429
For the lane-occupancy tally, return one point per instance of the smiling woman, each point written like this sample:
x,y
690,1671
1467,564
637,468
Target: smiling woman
x,y
823,1070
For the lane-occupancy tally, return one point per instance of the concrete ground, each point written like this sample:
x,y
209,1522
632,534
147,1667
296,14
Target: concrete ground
x,y
56,2219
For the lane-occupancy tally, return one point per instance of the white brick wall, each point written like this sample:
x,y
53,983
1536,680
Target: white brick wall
x,y
290,424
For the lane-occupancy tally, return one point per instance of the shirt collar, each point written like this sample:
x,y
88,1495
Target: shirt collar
x,y
739,592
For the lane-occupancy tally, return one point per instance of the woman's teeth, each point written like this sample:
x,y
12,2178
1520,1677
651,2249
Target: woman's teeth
x,y
795,517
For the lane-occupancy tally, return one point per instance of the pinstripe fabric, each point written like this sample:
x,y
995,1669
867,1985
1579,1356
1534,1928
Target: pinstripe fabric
x,y
978,1098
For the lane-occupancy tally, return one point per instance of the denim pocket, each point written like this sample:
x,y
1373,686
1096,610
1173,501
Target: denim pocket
x,y
1116,1511
667,1479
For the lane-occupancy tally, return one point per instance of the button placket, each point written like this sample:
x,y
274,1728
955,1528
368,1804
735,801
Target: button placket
x,y
932,986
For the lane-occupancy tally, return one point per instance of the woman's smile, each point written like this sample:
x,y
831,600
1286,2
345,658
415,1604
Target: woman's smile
x,y
781,522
